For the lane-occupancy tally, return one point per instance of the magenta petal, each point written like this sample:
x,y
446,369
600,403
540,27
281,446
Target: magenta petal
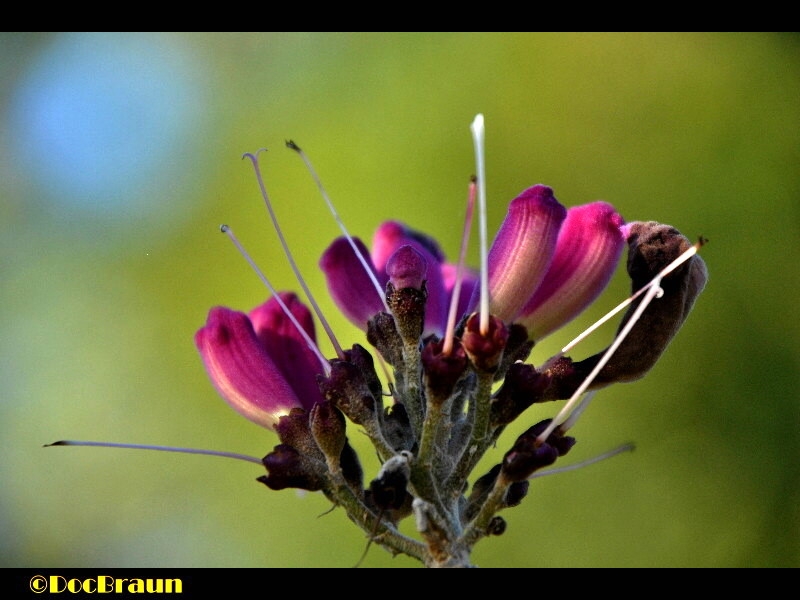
x,y
349,284
522,250
470,280
407,268
587,253
389,237
286,346
241,370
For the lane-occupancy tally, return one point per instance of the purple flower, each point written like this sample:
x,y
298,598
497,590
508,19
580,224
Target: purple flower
x,y
546,265
260,364
353,291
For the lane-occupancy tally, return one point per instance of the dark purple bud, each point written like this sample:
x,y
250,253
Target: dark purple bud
x,y
361,357
294,429
516,493
397,428
328,426
523,385
480,491
527,456
348,391
441,372
497,526
388,491
485,350
382,334
351,468
288,468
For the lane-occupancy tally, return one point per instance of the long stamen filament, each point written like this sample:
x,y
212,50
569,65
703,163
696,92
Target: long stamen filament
x,y
478,136
684,256
447,347
254,160
292,146
233,455
653,291
309,342
585,463
575,414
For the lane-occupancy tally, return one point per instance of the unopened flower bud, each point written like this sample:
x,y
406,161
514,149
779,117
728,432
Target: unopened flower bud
x,y
497,526
383,335
397,428
293,429
288,468
441,371
348,391
352,471
388,489
526,456
523,385
407,268
361,357
480,491
516,493
408,306
328,427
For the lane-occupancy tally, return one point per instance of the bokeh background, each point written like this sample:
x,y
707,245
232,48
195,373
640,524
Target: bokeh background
x,y
120,156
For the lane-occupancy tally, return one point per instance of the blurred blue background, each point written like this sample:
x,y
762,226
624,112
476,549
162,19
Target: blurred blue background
x,y
121,155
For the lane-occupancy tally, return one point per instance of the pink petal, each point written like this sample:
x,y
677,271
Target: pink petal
x,y
469,282
522,250
587,253
349,284
389,238
241,370
286,346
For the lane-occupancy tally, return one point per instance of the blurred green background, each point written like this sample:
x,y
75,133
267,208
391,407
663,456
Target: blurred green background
x,y
121,157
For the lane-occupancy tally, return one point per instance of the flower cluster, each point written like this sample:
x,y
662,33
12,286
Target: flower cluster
x,y
450,395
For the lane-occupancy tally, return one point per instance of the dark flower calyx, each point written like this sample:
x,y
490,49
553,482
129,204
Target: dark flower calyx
x,y
523,385
485,350
347,389
288,468
528,455
442,371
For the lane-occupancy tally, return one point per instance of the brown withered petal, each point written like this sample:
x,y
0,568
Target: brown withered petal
x,y
651,247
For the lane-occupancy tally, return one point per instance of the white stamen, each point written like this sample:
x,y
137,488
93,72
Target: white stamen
x,y
570,421
653,291
585,463
478,136
254,159
307,338
233,455
686,255
291,145
447,347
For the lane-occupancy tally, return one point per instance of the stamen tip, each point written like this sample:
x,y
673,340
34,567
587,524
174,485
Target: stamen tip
x,y
224,228
292,146
58,443
253,156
